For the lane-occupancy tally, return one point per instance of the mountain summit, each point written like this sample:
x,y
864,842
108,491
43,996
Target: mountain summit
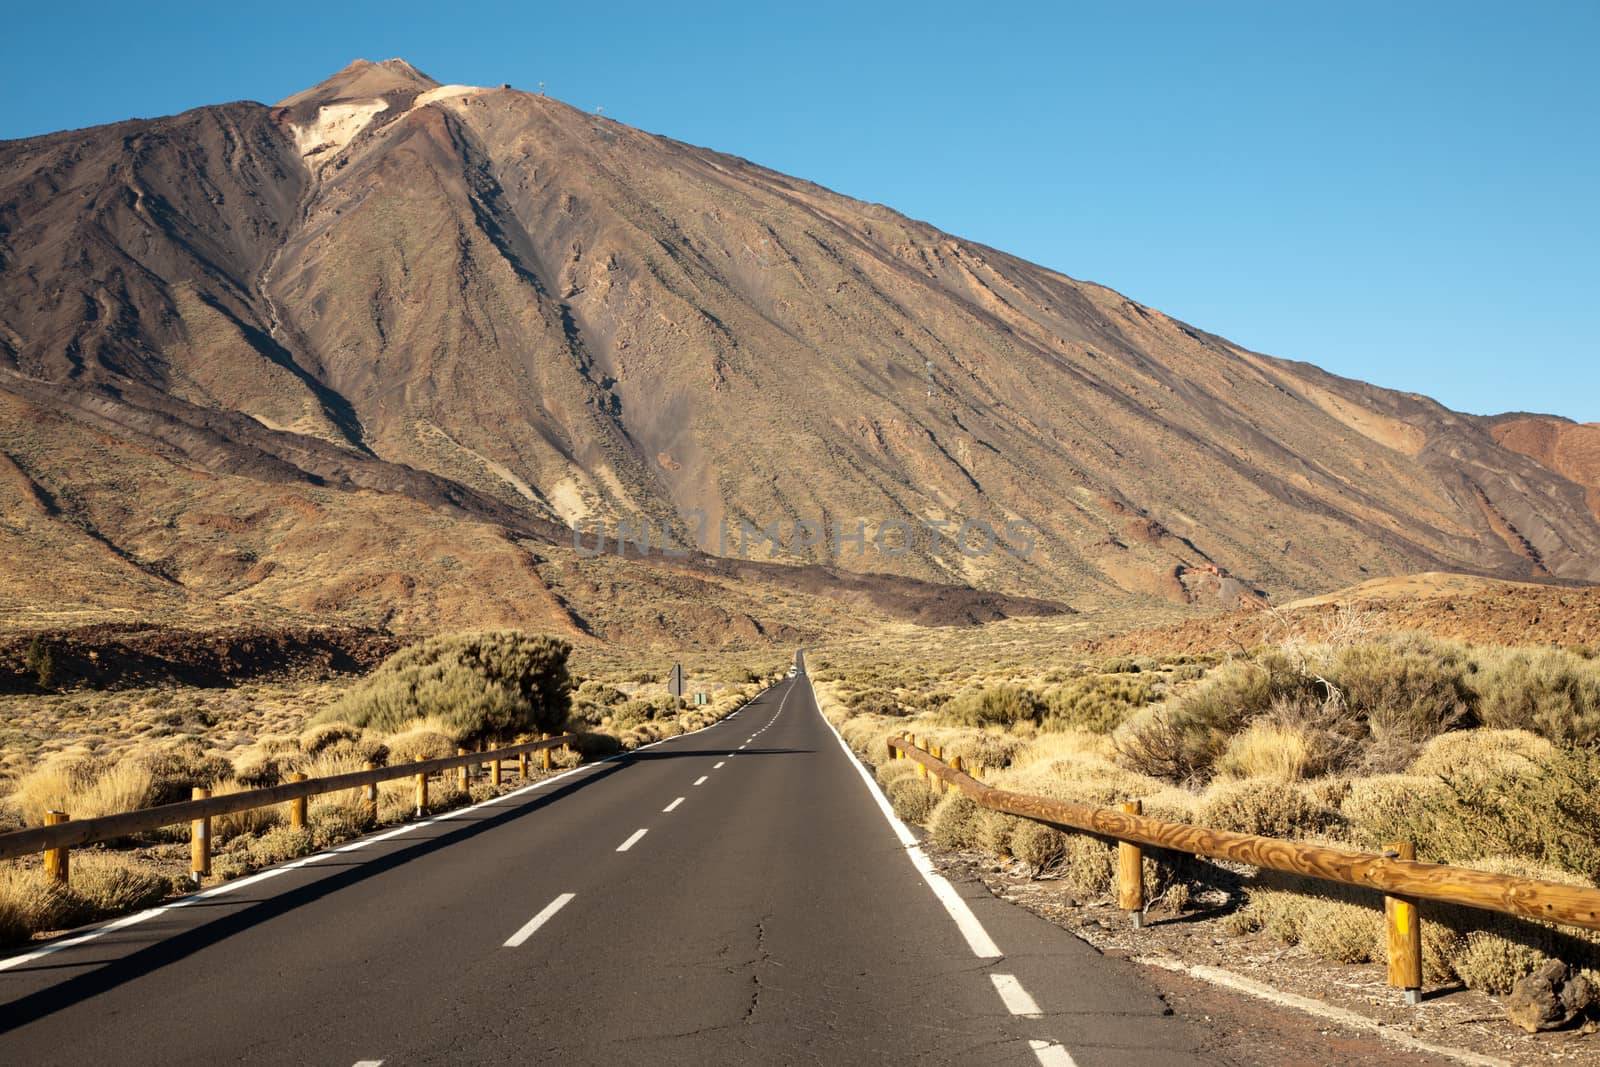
x,y
245,347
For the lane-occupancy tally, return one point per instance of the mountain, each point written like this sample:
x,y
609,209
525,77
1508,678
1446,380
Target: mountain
x,y
370,352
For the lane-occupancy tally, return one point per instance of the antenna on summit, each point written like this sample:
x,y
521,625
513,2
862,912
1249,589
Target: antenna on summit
x,y
541,88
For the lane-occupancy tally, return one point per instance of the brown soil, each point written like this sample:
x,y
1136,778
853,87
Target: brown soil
x,y
1482,612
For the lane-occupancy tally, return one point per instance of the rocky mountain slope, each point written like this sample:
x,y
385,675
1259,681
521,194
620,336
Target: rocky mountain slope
x,y
369,353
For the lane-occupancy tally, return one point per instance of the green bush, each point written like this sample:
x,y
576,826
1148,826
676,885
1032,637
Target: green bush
x,y
1002,705
481,688
1271,809
1549,691
1099,702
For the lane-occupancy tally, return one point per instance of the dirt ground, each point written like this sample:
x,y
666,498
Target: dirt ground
x,y
1463,1026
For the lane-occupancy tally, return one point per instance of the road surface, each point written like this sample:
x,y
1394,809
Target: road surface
x,y
737,895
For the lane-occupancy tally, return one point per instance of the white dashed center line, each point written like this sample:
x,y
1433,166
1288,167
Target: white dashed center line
x,y
720,765
527,931
701,780
1052,1055
674,804
630,842
1018,1001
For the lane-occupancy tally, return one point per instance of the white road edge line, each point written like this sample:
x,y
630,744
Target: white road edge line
x,y
1051,1054
317,857
1333,1014
1018,1001
533,924
632,840
978,939
671,806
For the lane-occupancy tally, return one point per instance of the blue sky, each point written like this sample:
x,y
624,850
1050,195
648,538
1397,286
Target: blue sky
x,y
1404,193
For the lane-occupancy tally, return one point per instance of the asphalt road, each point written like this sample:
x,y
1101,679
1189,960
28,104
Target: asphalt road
x,y
737,895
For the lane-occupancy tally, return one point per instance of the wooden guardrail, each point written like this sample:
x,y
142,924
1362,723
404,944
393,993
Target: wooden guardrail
x,y
1395,873
61,834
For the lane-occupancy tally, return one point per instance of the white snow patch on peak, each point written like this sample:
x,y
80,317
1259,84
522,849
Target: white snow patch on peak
x,y
335,126
445,92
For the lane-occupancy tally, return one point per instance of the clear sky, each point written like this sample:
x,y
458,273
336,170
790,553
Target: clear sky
x,y
1407,193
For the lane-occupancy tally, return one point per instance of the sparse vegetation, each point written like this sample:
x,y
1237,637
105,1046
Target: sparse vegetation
x,y
478,687
1479,756
99,753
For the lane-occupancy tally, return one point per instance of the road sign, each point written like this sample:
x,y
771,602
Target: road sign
x,y
675,683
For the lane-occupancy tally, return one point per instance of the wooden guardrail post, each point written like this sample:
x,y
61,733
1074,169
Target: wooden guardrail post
x,y
371,798
917,742
1404,928
200,840
1130,873
955,765
462,772
422,791
522,765
545,753
297,806
494,772
55,859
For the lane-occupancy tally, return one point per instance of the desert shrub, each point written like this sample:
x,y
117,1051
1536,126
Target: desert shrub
x,y
1182,739
1407,690
1480,753
327,734
331,822
249,821
911,799
1551,691
251,853
994,831
600,692
597,746
177,771
106,886
84,787
1098,703
478,687
418,744
1001,705
1492,963
953,823
1089,866
1271,809
1550,815
894,770
1037,845
874,702
30,902
1342,931
1397,807
40,662
258,770
1278,751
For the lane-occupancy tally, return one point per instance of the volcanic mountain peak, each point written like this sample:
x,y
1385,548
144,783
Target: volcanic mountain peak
x,y
361,80
480,304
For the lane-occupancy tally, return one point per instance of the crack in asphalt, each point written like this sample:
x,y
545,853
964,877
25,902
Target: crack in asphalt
x,y
763,958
